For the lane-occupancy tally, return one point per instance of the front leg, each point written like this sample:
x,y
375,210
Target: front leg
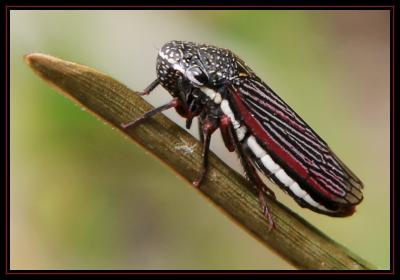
x,y
172,104
150,87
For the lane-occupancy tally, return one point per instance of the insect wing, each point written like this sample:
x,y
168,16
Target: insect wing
x,y
293,144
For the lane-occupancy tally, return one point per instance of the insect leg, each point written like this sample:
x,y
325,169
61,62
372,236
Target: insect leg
x,y
263,204
225,125
189,123
250,171
252,176
173,103
208,128
150,88
200,125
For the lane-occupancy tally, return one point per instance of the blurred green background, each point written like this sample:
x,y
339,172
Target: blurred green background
x,y
83,197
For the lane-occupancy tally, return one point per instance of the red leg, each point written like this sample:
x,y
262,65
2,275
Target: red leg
x,y
225,126
208,129
252,175
173,103
264,207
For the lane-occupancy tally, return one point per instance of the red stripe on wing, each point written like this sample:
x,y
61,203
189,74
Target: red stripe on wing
x,y
258,130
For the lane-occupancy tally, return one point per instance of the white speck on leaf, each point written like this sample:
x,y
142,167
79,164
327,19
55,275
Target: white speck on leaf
x,y
186,148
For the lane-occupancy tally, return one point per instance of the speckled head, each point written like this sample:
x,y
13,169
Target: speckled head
x,y
200,65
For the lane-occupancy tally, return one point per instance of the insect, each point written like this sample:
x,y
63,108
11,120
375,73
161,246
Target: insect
x,y
218,88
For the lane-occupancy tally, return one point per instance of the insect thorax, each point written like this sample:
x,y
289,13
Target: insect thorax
x,y
201,66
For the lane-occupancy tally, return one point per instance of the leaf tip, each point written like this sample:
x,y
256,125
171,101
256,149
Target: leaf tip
x,y
34,59
28,58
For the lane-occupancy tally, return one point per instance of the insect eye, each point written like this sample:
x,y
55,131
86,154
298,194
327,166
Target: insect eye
x,y
196,75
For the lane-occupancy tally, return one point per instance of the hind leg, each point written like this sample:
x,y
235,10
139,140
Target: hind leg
x,y
232,142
